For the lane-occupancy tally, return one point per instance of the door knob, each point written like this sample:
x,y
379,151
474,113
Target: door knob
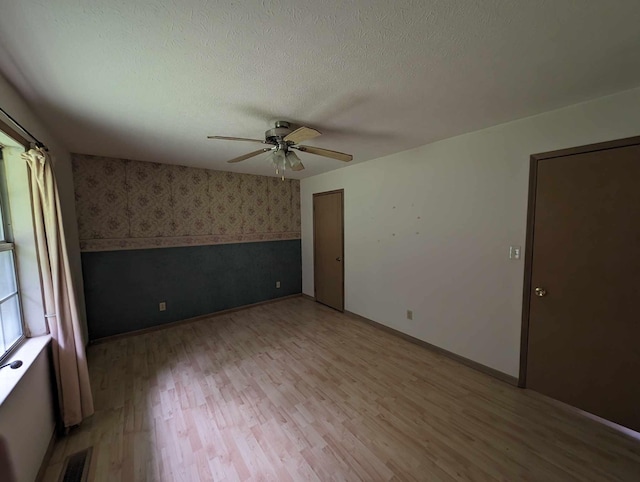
x,y
338,258
540,292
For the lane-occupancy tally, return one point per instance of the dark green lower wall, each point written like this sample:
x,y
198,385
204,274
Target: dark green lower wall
x,y
124,288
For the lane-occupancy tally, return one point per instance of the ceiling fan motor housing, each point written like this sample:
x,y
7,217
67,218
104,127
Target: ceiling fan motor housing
x,y
276,135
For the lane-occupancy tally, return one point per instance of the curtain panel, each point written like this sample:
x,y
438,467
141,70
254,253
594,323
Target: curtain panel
x,y
69,356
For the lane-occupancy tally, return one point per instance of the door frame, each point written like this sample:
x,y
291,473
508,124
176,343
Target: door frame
x,y
315,258
531,208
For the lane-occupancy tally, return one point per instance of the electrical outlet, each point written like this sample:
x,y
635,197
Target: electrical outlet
x,y
277,284
163,306
409,315
514,252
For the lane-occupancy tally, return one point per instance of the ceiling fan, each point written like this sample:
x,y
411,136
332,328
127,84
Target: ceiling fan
x,y
281,140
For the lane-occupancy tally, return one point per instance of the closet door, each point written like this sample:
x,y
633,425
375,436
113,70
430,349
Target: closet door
x,y
584,296
328,248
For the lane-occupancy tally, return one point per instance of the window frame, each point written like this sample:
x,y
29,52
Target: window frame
x,y
7,244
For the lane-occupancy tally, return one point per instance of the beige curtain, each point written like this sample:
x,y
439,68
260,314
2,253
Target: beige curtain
x,y
69,357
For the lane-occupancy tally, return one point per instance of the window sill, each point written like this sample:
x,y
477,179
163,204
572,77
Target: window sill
x,y
28,352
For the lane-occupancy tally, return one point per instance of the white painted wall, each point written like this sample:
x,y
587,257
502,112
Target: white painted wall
x,y
26,416
429,229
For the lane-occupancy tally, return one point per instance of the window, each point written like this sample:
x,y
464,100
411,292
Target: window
x,y
11,327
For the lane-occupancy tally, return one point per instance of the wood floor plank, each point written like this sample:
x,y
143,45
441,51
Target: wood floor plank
x,y
295,391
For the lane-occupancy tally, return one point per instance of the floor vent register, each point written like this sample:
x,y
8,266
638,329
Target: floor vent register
x,y
76,467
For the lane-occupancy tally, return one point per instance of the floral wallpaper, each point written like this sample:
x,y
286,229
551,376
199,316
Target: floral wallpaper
x,y
123,204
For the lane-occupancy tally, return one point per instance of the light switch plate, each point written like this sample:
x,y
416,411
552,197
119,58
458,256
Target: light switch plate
x,y
514,252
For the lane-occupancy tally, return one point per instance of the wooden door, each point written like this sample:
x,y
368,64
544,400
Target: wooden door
x,y
328,248
584,280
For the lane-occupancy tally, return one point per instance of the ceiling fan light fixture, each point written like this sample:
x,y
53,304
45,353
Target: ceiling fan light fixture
x,y
279,160
271,158
292,159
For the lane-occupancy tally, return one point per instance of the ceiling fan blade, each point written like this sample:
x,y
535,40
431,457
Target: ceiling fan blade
x,y
341,156
235,139
302,134
297,167
251,154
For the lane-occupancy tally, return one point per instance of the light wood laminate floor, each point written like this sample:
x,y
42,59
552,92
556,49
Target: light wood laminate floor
x,y
296,391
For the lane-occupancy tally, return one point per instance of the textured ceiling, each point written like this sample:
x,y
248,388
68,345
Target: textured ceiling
x,y
151,79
